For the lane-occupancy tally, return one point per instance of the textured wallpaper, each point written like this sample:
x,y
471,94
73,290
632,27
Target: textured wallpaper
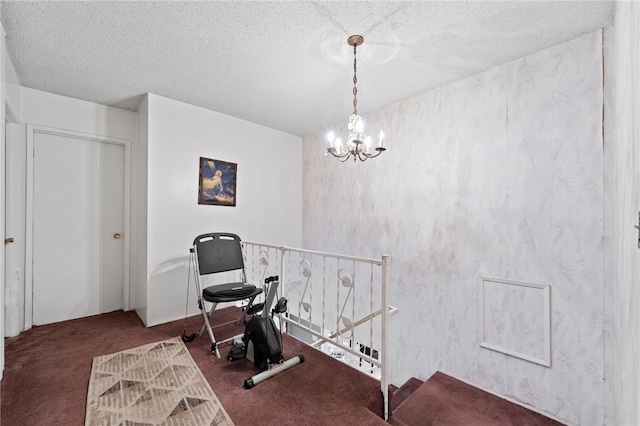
x,y
502,174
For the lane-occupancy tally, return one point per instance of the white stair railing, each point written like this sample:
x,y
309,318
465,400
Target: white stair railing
x,y
335,303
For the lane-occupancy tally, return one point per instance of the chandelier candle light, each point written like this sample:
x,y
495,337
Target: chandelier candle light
x,y
358,145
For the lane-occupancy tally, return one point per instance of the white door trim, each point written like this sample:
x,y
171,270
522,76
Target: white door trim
x,y
14,227
32,130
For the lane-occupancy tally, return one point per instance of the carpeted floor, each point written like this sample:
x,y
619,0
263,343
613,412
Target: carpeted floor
x,y
445,400
47,373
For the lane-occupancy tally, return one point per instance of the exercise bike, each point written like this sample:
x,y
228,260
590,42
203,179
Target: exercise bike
x,y
261,343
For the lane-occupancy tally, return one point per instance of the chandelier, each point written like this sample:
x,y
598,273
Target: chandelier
x,y
357,144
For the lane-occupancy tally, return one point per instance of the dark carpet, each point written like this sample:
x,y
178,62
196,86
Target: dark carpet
x,y
47,373
444,400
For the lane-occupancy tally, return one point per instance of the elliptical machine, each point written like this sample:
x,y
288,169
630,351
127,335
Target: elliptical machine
x,y
261,343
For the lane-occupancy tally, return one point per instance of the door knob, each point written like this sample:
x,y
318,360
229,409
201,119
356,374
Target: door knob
x,y
116,236
8,240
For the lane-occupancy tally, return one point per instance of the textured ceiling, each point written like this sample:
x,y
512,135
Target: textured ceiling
x,y
285,65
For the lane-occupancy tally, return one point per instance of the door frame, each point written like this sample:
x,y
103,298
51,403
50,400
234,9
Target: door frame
x,y
14,217
32,130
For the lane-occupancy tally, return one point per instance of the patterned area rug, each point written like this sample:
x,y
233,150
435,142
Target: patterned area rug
x,y
154,384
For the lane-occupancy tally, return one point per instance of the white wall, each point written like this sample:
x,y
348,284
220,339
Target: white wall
x,y
139,214
14,225
12,84
627,204
50,110
268,196
609,211
11,216
15,212
500,174
165,216
47,109
3,91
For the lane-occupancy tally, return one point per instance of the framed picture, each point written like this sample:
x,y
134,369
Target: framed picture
x,y
217,183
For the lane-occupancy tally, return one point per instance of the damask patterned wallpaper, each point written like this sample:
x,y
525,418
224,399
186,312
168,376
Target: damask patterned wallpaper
x,y
504,174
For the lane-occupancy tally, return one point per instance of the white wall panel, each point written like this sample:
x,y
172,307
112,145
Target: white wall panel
x,y
627,204
515,318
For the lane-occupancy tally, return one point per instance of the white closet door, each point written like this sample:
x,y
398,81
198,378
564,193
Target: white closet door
x,y
78,219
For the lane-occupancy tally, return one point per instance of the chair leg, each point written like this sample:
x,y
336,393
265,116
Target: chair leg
x,y
206,323
207,326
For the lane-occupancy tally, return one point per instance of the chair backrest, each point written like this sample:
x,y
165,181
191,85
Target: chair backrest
x,y
218,252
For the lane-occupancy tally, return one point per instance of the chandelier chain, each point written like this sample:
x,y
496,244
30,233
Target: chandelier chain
x,y
355,81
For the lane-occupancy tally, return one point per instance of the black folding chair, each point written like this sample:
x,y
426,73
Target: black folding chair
x,y
216,253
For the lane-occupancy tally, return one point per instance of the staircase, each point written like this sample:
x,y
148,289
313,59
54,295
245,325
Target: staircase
x,y
444,400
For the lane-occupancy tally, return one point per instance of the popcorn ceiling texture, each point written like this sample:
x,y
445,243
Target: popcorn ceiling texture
x,y
285,65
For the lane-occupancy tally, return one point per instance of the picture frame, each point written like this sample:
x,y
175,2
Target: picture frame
x,y
217,182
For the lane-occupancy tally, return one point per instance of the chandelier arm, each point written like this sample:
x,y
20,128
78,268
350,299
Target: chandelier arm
x,y
379,151
342,157
356,154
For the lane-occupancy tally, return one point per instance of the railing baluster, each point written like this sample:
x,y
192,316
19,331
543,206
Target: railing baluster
x,y
324,291
371,324
288,260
